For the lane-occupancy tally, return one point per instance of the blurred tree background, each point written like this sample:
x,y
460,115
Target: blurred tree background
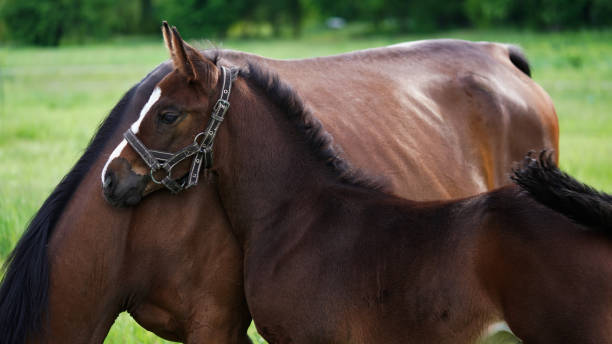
x,y
52,22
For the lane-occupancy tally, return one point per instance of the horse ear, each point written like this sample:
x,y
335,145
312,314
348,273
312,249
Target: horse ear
x,y
167,37
190,62
179,56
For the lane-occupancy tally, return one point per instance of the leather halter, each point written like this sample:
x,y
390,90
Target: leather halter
x,y
203,151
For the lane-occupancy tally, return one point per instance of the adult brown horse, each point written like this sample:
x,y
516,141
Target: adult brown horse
x,y
81,262
329,258
200,262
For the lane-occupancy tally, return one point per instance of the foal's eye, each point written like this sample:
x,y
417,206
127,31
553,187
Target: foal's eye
x,y
168,117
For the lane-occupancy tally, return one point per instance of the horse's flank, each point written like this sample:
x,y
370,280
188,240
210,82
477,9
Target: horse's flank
x,y
434,111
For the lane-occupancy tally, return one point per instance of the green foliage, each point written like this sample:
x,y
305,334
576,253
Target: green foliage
x,y
402,16
280,13
34,21
50,22
487,13
202,18
540,14
601,13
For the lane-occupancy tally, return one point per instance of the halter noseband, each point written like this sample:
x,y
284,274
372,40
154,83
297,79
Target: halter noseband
x,y
203,151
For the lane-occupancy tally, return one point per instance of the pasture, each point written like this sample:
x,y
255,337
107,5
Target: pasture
x,y
52,100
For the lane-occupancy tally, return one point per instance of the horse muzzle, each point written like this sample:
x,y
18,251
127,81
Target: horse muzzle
x,y
122,186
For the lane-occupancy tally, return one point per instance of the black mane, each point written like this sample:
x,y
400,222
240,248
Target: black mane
x,y
25,285
548,185
319,140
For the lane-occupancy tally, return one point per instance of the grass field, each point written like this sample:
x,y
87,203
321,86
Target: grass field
x,y
51,101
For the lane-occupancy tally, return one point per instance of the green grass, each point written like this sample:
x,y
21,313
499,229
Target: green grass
x,y
51,101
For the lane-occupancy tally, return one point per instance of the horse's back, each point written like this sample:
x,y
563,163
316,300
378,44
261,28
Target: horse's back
x,y
442,118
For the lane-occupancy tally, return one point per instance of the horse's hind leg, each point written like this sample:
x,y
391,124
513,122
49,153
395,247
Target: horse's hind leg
x,y
566,301
574,309
563,328
553,285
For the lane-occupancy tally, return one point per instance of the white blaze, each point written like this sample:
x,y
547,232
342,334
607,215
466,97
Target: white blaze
x,y
152,100
135,127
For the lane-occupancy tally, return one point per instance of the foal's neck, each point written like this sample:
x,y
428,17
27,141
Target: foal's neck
x,y
268,168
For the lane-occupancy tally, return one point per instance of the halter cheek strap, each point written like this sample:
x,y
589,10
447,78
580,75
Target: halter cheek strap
x,y
203,150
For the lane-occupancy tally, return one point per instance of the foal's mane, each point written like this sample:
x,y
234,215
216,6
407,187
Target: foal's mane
x,y
318,139
25,285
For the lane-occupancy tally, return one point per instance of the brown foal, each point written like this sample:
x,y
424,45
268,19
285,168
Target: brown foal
x,y
329,257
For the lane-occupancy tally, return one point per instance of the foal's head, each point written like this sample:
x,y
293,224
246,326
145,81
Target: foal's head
x,y
173,118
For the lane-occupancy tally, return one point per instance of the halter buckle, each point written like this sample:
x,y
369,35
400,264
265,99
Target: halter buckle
x,y
221,106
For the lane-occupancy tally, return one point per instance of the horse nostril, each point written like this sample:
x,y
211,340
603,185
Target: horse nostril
x,y
109,180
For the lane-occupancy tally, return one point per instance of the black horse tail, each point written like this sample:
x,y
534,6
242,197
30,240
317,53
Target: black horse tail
x,y
547,184
518,59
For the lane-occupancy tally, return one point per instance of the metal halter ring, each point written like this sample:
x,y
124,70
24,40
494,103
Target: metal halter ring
x,y
195,140
152,171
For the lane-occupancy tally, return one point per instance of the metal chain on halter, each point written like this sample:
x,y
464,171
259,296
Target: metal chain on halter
x,y
203,151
